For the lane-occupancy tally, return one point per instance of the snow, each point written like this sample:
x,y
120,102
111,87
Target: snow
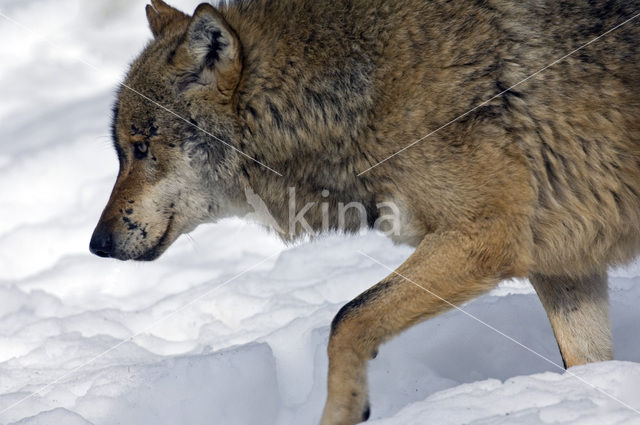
x,y
230,326
538,399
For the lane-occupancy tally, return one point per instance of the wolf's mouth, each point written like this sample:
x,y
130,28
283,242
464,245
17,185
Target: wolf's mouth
x,y
159,247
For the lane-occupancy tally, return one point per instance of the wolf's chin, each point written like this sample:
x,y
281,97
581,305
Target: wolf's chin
x,y
160,247
150,255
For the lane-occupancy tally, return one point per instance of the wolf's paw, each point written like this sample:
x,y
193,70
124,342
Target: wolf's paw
x,y
351,413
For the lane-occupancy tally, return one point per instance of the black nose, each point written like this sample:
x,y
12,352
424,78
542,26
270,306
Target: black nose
x,y
101,243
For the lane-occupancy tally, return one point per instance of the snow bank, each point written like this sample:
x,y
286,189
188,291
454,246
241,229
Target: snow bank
x,y
104,342
546,398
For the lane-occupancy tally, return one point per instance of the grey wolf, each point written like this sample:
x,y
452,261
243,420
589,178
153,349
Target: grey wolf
x,y
542,182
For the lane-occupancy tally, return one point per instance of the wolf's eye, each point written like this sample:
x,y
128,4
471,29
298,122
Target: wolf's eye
x,y
140,150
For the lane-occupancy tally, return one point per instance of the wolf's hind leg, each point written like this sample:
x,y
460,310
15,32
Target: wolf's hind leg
x,y
578,309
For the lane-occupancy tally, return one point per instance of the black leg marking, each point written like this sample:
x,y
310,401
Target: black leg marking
x,y
367,413
358,302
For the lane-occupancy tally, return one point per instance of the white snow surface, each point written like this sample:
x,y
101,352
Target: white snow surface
x,y
230,326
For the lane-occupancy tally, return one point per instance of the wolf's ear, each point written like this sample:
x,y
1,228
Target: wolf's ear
x,y
160,15
215,52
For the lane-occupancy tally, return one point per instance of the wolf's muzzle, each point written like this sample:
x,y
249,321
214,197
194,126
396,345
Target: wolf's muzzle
x,y
102,243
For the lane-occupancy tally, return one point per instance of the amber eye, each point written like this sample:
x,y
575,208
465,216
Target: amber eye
x,y
140,150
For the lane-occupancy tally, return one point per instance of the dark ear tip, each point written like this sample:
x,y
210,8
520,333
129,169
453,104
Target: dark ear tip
x,y
205,8
150,10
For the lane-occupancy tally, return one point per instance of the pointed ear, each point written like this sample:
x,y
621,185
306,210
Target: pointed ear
x,y
215,51
160,16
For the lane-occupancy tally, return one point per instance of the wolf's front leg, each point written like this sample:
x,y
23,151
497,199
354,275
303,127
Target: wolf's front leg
x,y
446,269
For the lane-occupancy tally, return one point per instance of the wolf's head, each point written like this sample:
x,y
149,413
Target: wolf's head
x,y
172,125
